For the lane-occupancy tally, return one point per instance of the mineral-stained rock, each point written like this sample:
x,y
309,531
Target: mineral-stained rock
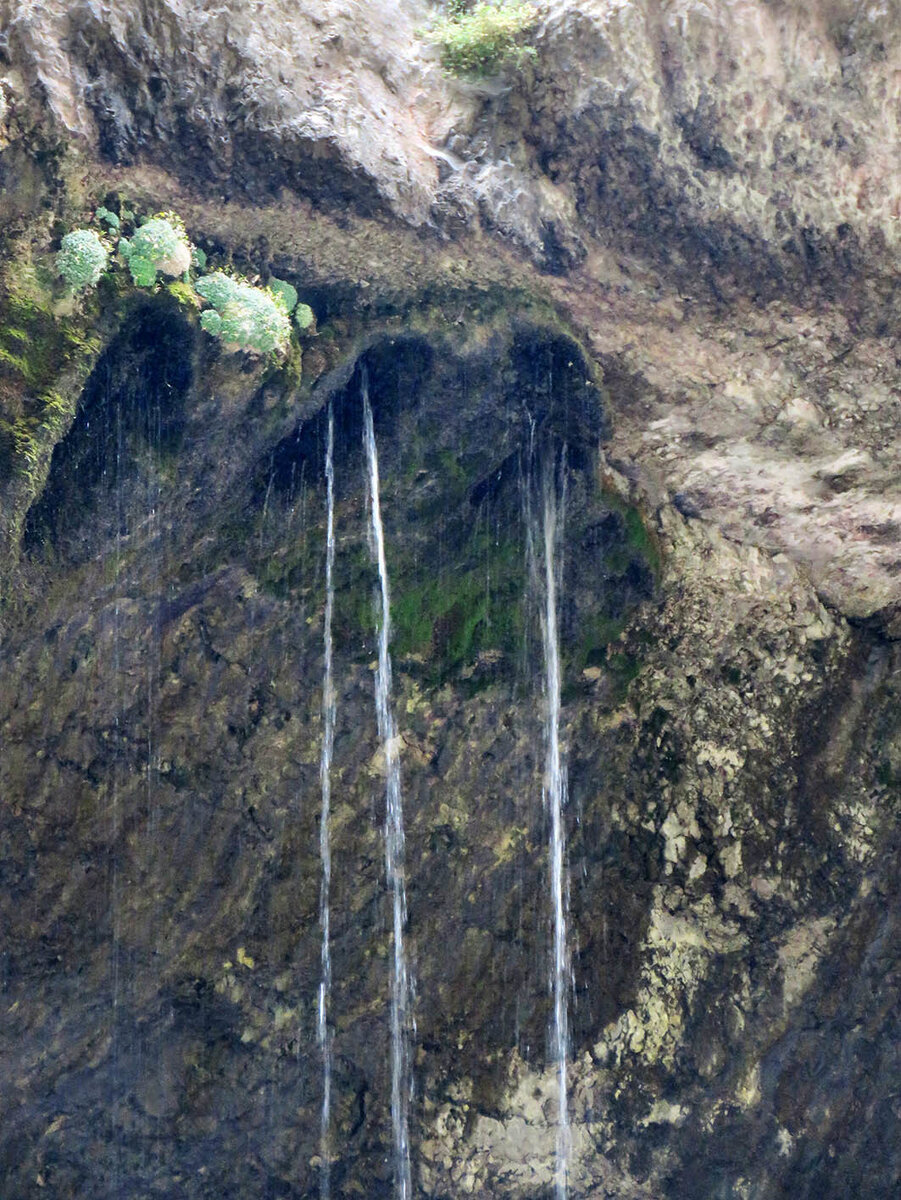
x,y
326,99
663,252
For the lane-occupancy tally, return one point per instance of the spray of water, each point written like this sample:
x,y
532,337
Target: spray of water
x,y
325,848
394,836
555,786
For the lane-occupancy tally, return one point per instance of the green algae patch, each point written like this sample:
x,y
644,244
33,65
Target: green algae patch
x,y
641,538
471,609
37,342
47,351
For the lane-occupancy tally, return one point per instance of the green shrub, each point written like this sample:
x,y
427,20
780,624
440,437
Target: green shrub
x,y
304,316
160,244
288,293
217,289
82,258
211,322
243,317
108,217
479,40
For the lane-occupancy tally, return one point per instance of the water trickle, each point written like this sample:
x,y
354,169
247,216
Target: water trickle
x,y
554,794
325,848
394,835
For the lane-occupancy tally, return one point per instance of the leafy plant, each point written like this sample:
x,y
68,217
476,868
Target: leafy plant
x,y
481,39
287,292
82,258
160,244
243,317
108,217
304,316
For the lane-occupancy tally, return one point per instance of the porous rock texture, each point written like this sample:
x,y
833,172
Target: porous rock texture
x,y
668,244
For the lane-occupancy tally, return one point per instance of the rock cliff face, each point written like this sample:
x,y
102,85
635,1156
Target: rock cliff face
x,y
665,254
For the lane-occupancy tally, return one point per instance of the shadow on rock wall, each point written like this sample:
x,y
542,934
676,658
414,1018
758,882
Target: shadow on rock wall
x,y
161,729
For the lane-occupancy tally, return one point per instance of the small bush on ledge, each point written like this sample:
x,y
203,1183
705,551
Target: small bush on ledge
x,y
82,259
160,244
241,316
481,39
244,317
303,314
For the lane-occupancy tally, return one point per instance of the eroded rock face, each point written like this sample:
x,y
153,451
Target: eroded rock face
x,y
750,141
741,751
198,619
736,153
778,425
326,99
705,194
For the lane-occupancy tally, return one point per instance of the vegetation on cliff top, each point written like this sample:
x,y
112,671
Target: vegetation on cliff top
x,y
478,40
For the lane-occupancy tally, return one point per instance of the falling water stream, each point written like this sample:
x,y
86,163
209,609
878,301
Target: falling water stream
x,y
394,835
555,801
325,849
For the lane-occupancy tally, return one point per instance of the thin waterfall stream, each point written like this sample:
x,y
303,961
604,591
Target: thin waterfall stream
x,y
394,834
554,795
325,849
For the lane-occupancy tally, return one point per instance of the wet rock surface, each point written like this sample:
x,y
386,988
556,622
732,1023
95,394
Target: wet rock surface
x,y
161,738
731,748
666,253
727,770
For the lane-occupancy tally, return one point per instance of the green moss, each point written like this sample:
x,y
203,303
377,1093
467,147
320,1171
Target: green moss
x,y
448,617
184,294
643,540
414,613
36,347
19,364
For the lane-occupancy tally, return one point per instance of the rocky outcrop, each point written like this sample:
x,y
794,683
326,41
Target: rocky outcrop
x,y
739,154
322,99
736,757
740,146
751,142
672,235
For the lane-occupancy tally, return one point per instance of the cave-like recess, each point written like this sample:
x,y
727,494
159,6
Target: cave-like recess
x,y
161,892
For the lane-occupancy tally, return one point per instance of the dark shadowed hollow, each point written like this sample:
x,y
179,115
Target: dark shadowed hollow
x,y
170,706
